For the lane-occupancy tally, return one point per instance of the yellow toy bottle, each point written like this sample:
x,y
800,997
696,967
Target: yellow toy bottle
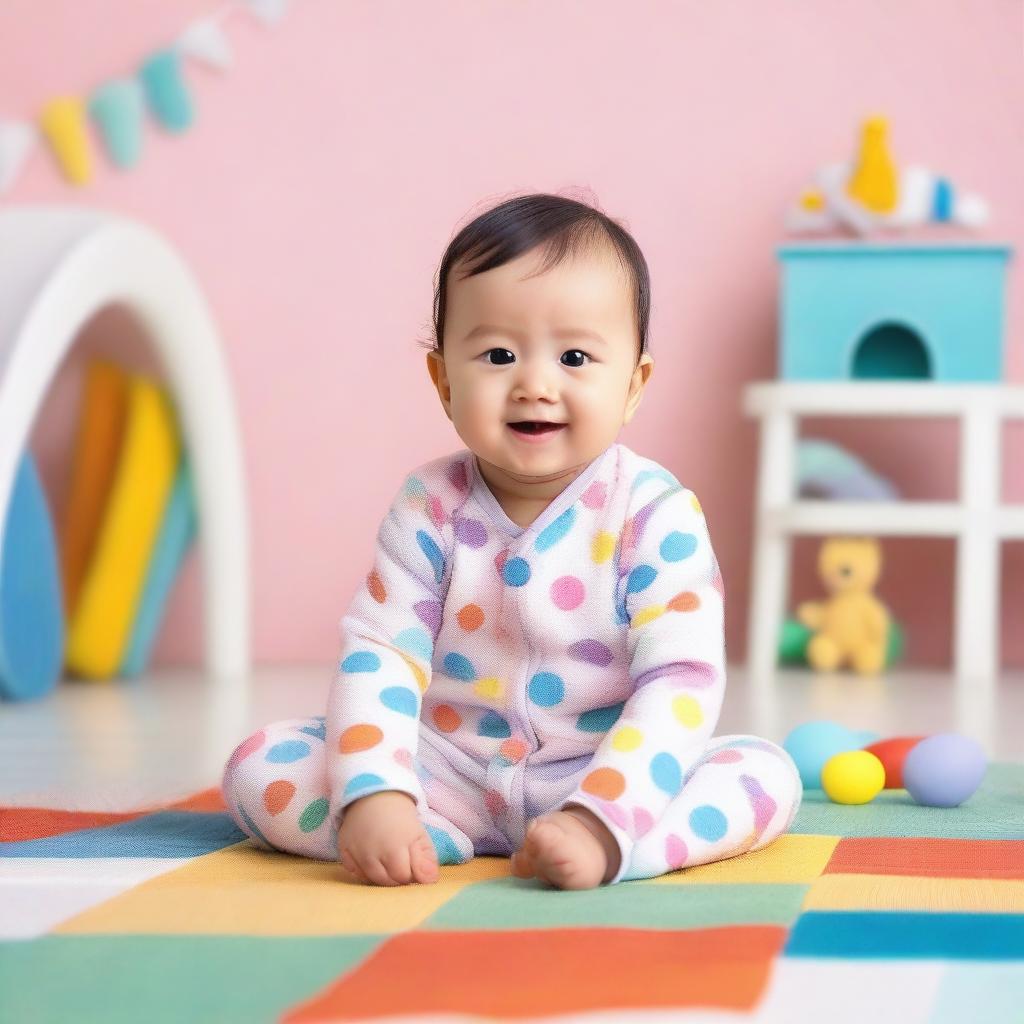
x,y
874,182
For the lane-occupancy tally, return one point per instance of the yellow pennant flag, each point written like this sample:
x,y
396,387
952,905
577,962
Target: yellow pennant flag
x,y
63,124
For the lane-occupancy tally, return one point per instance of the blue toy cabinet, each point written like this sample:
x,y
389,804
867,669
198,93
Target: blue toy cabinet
x,y
853,311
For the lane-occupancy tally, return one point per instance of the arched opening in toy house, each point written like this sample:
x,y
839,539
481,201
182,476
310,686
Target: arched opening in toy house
x,y
891,351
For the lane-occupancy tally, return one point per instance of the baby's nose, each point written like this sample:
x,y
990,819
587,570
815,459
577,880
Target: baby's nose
x,y
535,382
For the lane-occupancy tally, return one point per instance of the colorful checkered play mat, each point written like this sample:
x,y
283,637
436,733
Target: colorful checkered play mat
x,y
889,911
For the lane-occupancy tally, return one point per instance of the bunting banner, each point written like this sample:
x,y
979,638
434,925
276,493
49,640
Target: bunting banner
x,y
113,113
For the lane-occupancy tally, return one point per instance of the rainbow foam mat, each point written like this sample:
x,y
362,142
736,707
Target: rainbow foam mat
x,y
888,911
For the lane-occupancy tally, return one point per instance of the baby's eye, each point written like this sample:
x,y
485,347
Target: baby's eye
x,y
505,350
577,352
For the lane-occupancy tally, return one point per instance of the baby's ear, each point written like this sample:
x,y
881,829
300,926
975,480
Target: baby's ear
x,y
642,373
439,377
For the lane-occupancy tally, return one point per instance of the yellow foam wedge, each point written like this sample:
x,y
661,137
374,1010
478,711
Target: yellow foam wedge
x,y
101,625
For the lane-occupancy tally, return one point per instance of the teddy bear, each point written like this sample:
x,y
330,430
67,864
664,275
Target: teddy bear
x,y
851,627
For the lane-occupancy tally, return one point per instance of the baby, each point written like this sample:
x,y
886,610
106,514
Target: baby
x,y
535,663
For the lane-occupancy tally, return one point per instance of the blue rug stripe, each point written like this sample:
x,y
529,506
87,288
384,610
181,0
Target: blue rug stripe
x,y
891,935
169,834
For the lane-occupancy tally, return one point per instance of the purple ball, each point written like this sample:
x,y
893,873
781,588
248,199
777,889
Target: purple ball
x,y
944,770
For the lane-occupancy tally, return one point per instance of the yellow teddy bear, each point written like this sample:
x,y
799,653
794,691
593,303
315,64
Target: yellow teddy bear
x,y
851,627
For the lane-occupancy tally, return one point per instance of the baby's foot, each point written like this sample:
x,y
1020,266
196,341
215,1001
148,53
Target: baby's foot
x,y
561,850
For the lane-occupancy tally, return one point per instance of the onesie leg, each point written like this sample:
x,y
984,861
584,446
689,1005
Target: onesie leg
x,y
275,787
741,795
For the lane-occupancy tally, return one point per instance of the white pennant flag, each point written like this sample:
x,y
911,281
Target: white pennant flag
x,y
17,139
268,11
205,41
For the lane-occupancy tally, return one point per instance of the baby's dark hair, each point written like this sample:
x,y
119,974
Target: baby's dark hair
x,y
563,226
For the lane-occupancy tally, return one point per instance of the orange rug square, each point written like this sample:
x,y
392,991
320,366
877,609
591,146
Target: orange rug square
x,y
527,973
929,858
19,824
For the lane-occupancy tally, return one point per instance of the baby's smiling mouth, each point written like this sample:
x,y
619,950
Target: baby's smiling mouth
x,y
535,427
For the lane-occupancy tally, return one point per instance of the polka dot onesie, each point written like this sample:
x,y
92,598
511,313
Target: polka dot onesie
x,y
495,673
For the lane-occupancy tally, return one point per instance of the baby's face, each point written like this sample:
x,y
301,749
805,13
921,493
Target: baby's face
x,y
558,347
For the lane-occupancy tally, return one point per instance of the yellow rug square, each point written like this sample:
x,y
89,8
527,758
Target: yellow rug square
x,y
904,892
242,890
796,859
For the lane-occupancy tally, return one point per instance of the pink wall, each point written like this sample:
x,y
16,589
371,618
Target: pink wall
x,y
329,168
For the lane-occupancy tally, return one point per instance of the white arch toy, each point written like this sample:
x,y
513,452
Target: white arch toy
x,y
58,267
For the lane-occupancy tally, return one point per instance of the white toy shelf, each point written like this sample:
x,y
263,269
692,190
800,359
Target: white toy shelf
x,y
978,520
59,266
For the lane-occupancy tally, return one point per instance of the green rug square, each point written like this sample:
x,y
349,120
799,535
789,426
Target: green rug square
x,y
510,903
993,812
125,979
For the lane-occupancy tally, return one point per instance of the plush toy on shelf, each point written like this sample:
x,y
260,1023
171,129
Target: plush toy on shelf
x,y
851,626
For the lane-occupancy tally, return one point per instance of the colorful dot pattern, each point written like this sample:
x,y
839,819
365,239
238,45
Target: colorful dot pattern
x,y
598,625
281,797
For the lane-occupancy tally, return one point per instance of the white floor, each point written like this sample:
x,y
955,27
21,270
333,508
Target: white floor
x,y
119,745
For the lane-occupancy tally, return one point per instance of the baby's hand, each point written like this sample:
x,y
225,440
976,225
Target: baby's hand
x,y
381,841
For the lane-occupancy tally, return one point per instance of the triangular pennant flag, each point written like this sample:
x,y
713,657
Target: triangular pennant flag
x,y
116,109
268,11
168,98
63,124
204,40
17,140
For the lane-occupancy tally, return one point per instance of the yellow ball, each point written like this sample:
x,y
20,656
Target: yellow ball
x,y
855,777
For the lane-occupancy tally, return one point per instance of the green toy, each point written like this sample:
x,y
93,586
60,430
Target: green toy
x,y
795,636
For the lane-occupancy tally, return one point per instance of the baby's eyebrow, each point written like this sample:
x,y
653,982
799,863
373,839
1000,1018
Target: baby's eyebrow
x,y
561,332
482,329
579,332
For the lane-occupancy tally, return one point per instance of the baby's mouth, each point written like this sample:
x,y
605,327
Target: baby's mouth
x,y
534,427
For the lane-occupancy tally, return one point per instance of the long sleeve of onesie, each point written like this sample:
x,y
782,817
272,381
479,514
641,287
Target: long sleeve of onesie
x,y
388,635
673,604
